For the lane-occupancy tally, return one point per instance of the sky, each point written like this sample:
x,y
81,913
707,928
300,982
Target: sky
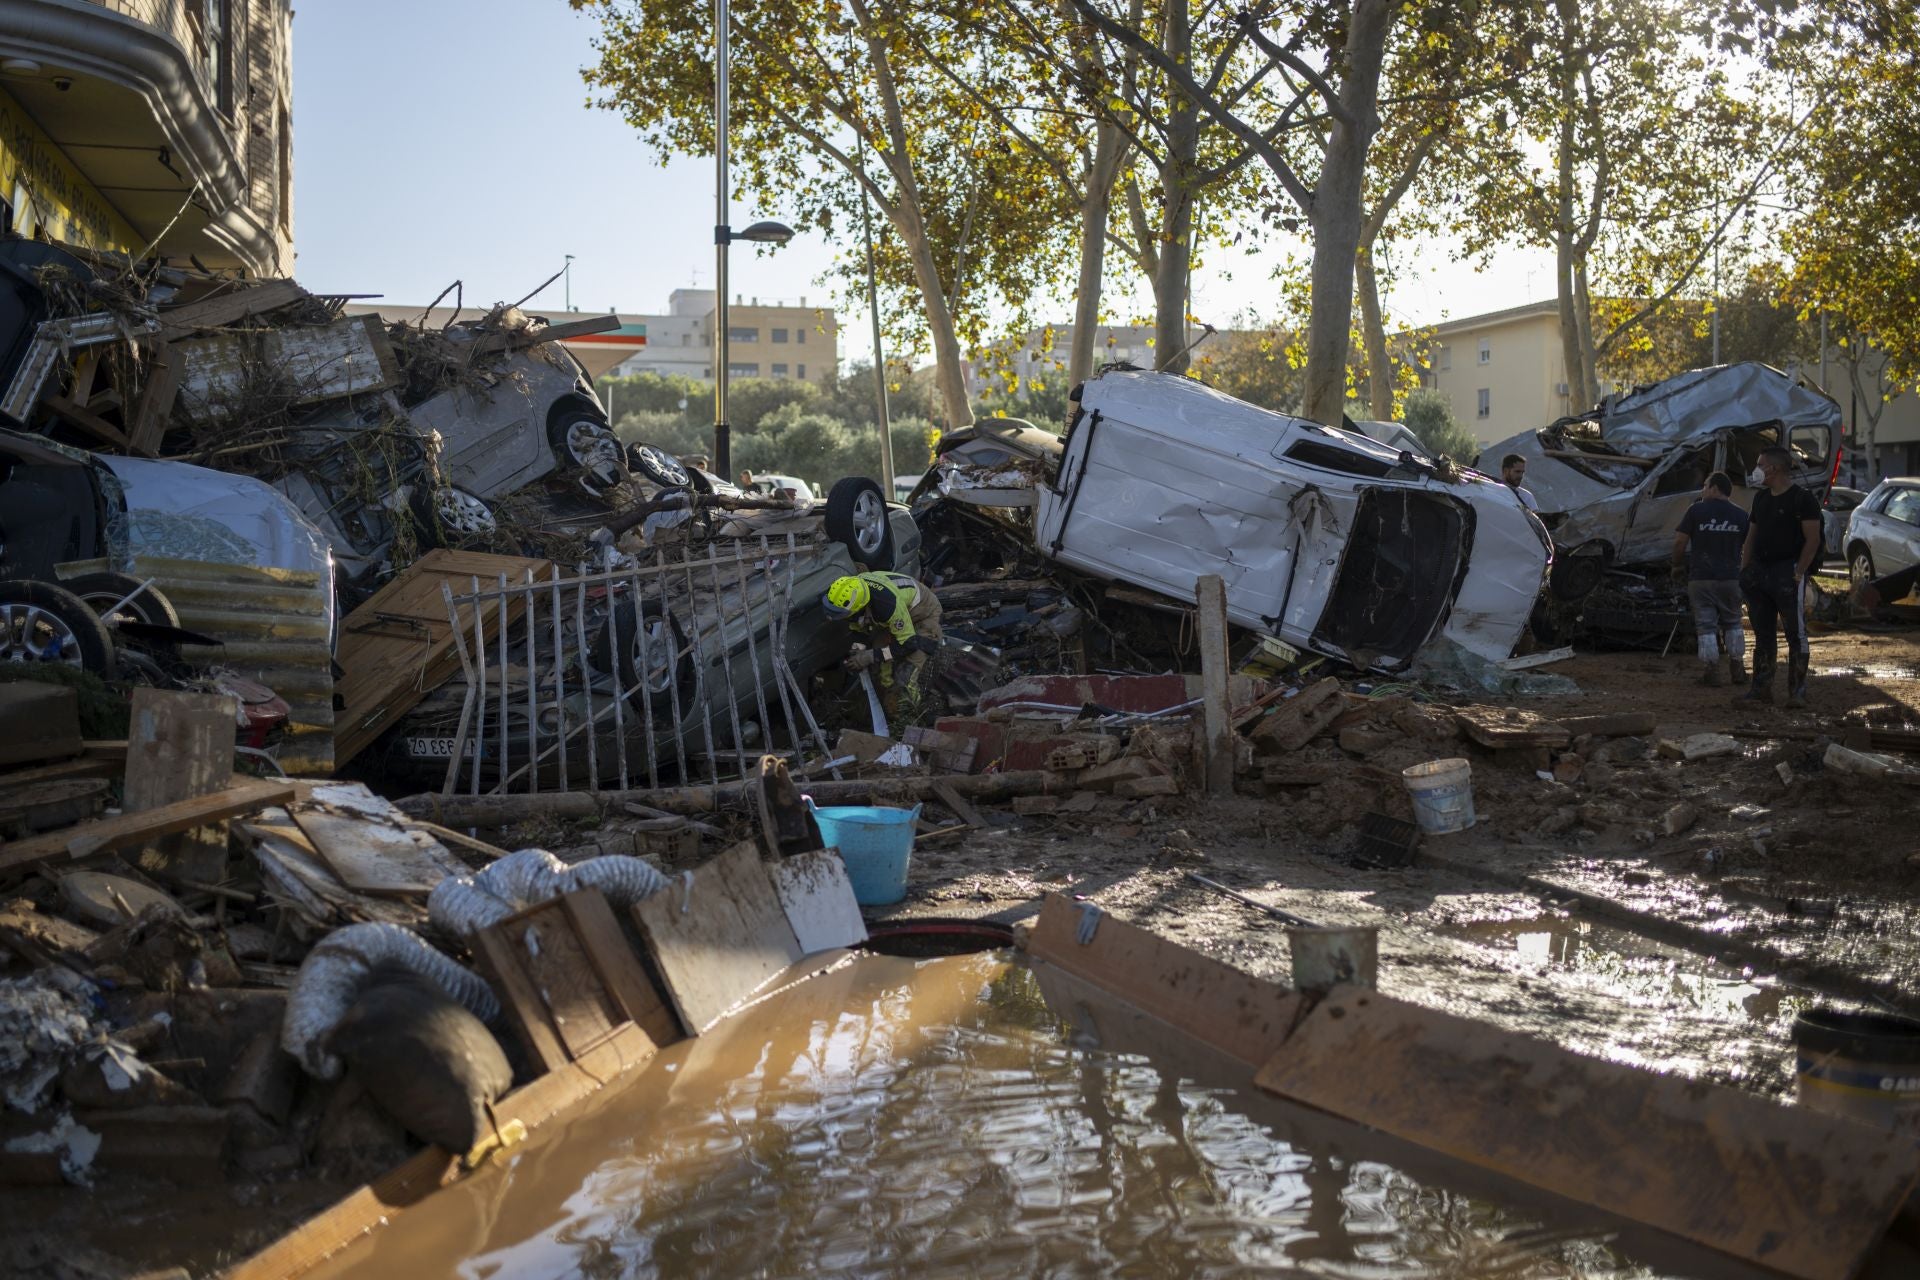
x,y
443,140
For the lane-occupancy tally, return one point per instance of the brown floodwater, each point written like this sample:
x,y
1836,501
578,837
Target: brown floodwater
x,y
973,1116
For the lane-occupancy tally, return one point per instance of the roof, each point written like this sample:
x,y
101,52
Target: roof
x,y
1491,319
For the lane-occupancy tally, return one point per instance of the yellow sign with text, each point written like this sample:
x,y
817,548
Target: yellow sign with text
x,y
48,192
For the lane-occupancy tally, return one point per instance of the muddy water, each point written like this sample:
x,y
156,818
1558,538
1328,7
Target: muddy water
x,y
943,1118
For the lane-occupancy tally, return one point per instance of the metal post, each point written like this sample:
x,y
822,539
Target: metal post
x,y
568,273
879,348
722,445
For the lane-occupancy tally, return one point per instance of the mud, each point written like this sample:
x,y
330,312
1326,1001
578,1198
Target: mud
x,y
969,1116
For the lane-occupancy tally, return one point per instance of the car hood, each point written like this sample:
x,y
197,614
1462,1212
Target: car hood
x,y
1648,421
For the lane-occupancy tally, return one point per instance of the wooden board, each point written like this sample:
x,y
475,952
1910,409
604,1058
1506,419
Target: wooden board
x,y
818,900
227,308
307,363
180,745
719,940
1298,720
374,856
1502,728
398,646
155,409
128,829
962,808
1236,1013
1789,1188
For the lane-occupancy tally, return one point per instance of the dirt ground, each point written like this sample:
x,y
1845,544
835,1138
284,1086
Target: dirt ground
x,y
1567,911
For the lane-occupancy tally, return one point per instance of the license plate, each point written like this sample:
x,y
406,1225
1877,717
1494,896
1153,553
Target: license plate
x,y
432,748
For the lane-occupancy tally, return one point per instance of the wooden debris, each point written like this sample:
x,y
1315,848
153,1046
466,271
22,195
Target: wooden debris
x,y
38,722
1294,723
228,308
370,845
719,940
349,357
1505,728
818,901
180,745
130,829
44,806
155,409
962,809
946,752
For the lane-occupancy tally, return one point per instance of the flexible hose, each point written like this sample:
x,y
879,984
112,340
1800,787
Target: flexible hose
x,y
464,905
335,972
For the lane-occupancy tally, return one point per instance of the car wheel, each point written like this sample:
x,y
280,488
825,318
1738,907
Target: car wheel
x,y
657,465
102,591
667,658
43,623
857,519
449,516
585,442
1860,568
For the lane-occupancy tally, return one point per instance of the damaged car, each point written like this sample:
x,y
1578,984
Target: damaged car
x,y
1325,538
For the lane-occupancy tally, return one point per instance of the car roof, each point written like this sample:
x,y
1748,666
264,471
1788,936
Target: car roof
x,y
1016,433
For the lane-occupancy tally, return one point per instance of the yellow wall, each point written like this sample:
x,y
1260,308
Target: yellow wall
x,y
818,351
63,202
1522,376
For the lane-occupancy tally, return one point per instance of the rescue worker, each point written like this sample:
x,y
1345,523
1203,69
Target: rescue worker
x,y
1706,545
898,617
1783,537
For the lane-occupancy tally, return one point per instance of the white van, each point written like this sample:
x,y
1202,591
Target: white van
x,y
1324,537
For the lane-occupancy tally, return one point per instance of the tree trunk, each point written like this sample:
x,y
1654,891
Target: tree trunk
x,y
949,367
1337,211
1583,327
1094,212
1374,331
1176,215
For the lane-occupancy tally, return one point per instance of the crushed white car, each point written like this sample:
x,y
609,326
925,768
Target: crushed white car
x,y
1325,538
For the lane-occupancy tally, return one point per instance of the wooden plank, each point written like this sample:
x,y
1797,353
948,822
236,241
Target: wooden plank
x,y
79,767
162,387
398,646
180,745
1506,727
488,344
1790,1188
818,901
458,840
619,967
1300,719
520,998
719,940
576,1002
104,835
378,1202
228,308
374,856
1236,1013
87,420
962,808
310,363
1210,603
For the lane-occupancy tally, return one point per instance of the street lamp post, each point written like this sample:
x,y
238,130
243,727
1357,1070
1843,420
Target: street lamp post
x,y
567,272
723,235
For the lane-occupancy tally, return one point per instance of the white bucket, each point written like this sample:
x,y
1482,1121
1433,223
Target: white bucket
x,y
1442,792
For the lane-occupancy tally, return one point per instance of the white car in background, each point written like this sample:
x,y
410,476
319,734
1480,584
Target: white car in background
x,y
1883,534
1326,538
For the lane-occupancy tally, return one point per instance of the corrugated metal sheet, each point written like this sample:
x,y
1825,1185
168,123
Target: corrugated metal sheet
x,y
273,627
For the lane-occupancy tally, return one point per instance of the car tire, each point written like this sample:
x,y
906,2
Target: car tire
x,y
1860,568
101,591
584,443
857,519
449,516
41,622
616,640
657,466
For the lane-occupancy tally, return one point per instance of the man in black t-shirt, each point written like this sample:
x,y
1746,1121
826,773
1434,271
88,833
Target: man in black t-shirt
x,y
1782,541
1707,545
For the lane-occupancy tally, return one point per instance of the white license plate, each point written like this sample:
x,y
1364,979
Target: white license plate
x,y
440,748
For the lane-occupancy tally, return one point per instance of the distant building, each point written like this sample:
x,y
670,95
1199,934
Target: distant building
x,y
766,340
163,123
1504,371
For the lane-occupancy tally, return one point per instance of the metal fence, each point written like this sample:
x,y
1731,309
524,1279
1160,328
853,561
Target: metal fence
x,y
673,669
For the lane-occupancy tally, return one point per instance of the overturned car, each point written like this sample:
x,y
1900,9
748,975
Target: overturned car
x,y
1324,537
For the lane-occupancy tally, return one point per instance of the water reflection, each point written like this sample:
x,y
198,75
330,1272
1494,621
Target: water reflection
x,y
941,1119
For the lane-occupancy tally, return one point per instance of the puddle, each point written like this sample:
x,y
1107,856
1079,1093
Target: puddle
x,y
1625,962
942,1118
1871,673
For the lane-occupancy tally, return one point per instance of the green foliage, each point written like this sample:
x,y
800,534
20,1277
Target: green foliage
x,y
1429,415
1266,367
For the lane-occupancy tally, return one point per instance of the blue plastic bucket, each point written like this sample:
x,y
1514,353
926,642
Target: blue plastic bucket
x,y
1442,792
875,843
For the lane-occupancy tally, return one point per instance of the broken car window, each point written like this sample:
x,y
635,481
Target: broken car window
x,y
1334,458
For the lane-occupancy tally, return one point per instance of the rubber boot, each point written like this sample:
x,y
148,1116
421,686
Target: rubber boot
x,y
1797,680
1713,672
1736,671
1761,690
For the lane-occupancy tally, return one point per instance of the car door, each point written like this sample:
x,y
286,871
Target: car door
x,y
1895,538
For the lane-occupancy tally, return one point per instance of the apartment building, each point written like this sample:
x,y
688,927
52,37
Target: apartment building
x,y
770,339
1502,372
151,124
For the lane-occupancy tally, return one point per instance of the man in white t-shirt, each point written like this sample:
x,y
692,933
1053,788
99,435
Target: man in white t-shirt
x,y
1513,470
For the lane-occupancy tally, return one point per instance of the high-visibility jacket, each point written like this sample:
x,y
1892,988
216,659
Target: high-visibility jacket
x,y
900,606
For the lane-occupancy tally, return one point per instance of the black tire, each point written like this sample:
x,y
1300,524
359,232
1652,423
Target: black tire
x,y
857,519
656,466
584,444
41,622
617,636
101,591
449,516
1859,567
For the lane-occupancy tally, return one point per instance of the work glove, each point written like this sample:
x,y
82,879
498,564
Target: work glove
x,y
861,659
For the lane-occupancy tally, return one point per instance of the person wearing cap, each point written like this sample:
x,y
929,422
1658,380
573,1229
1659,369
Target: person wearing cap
x,y
899,619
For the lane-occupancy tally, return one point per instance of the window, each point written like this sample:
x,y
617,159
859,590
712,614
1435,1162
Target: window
x,y
1904,505
1486,352
1486,403
1334,458
738,333
779,370
800,336
686,339
212,22
1446,359
283,157
743,370
800,371
779,335
1809,447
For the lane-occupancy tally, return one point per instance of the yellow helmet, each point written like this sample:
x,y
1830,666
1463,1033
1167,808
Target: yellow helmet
x,y
846,596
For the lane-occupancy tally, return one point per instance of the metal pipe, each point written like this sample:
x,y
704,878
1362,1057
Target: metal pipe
x,y
533,710
560,682
646,682
466,702
726,662
480,724
722,233
1286,917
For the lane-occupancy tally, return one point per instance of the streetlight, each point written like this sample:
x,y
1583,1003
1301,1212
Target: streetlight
x,y
773,233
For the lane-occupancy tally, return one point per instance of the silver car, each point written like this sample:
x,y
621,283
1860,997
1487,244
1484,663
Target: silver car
x,y
1883,536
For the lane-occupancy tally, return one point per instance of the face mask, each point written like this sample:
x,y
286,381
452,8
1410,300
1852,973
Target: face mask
x,y
1756,477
